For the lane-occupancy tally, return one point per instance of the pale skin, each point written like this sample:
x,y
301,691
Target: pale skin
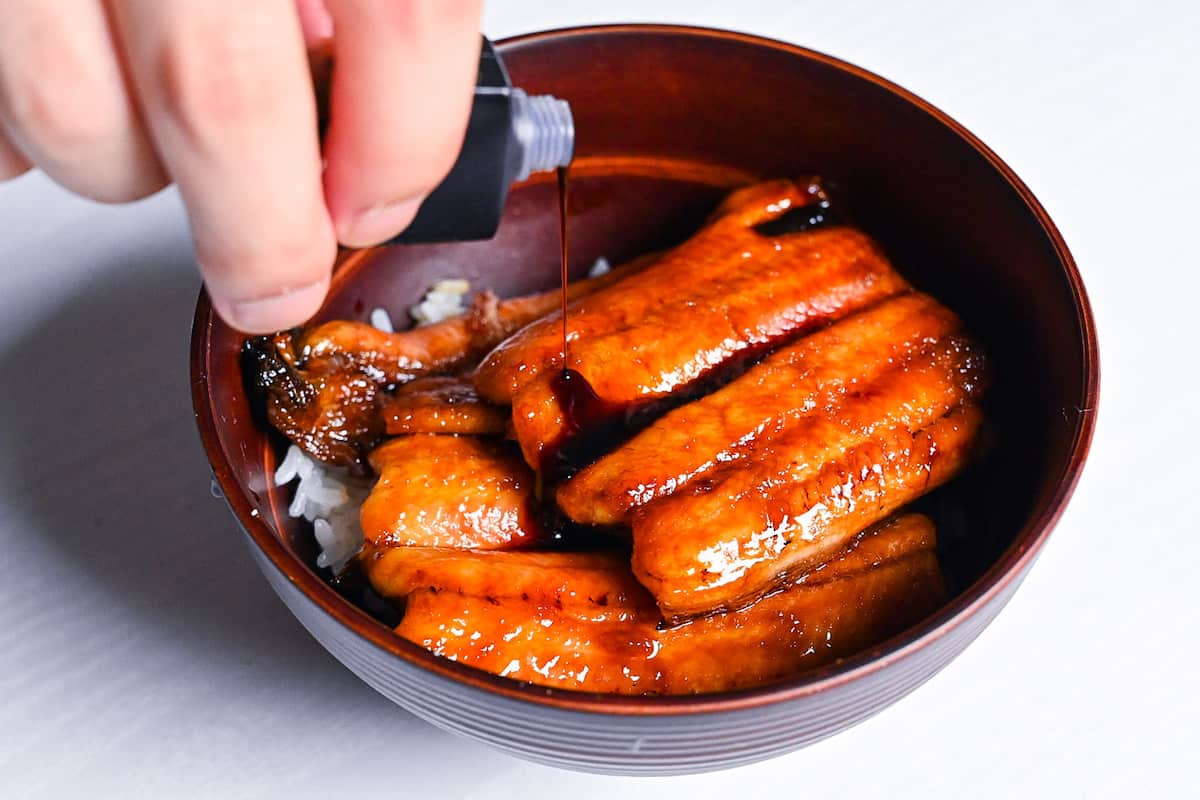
x,y
115,99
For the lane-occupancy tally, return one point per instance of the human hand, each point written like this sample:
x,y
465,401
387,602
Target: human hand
x,y
114,99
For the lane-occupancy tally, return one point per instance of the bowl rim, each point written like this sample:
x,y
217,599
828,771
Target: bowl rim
x,y
1010,567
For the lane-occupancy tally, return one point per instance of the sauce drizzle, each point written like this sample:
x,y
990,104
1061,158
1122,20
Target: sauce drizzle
x,y
588,418
564,255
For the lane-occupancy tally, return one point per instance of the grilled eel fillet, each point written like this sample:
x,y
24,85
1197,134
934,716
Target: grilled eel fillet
x,y
903,362
449,491
728,291
580,621
322,386
743,529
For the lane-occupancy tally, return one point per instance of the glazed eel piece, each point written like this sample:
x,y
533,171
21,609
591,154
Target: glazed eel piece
x,y
449,491
903,362
747,527
728,292
323,386
580,621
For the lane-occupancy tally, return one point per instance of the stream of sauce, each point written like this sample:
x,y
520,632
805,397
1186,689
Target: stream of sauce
x,y
564,253
579,402
586,416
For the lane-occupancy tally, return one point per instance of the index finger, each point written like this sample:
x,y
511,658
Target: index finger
x,y
226,92
402,90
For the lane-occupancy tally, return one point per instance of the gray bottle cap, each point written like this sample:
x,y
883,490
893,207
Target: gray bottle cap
x,y
545,130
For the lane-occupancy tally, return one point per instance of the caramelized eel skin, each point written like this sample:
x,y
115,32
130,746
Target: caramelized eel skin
x,y
727,292
442,404
449,491
903,362
721,544
598,631
323,387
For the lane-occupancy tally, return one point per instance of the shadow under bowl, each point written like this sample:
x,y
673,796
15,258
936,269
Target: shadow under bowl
x,y
669,119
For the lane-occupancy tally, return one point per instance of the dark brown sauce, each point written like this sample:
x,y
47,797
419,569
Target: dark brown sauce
x,y
558,532
352,584
564,253
799,219
593,426
587,416
582,408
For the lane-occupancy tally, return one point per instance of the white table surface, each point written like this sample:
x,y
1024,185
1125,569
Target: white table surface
x,y
141,654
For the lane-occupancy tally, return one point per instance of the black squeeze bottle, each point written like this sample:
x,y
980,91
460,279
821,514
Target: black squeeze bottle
x,y
510,135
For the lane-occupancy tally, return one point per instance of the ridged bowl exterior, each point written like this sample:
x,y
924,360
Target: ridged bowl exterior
x,y
633,744
761,108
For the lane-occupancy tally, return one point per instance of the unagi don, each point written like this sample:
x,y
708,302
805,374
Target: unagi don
x,y
722,453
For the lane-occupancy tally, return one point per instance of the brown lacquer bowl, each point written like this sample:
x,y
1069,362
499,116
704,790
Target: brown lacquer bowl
x,y
669,119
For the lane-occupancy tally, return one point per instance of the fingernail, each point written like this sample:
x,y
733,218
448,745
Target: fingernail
x,y
276,312
380,223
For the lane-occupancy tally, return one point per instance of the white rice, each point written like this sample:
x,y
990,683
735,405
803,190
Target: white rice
x,y
382,320
600,267
444,299
329,499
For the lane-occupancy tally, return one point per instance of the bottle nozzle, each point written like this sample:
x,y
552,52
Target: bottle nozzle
x,y
545,130
509,135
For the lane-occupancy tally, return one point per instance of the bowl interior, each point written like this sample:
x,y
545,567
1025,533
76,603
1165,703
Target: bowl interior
x,y
669,121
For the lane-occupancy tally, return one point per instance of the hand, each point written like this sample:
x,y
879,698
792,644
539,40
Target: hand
x,y
114,99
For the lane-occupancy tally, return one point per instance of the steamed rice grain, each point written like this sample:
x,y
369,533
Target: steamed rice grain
x,y
443,300
600,267
382,320
329,499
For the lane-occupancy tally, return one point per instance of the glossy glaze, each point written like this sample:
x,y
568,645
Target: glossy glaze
x,y
582,583
449,491
831,385
725,292
720,547
581,622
